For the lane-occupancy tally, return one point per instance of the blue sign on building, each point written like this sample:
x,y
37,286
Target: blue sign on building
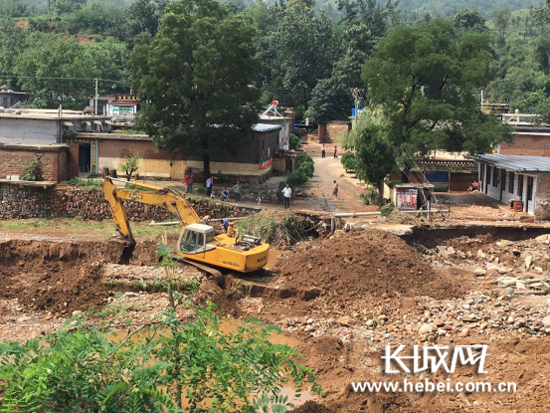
x,y
359,111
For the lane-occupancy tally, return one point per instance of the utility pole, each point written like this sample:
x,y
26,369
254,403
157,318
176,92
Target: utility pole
x,y
95,95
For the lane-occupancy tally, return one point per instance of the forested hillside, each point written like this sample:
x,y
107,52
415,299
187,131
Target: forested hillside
x,y
435,8
54,50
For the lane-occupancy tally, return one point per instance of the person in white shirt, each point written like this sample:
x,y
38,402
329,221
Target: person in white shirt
x,y
209,183
287,194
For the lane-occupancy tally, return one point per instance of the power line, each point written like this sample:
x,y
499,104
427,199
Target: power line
x,y
61,78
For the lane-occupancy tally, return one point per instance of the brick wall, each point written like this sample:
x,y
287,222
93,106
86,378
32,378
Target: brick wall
x,y
527,145
145,149
62,201
460,181
53,160
334,128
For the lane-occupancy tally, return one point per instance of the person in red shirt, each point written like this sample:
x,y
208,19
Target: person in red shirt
x,y
187,182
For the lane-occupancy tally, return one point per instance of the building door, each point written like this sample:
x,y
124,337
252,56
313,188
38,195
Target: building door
x,y
529,192
84,157
502,182
520,187
487,178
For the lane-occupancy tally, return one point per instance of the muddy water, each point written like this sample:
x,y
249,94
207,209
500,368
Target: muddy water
x,y
228,326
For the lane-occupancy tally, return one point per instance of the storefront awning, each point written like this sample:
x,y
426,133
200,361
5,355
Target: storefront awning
x,y
68,124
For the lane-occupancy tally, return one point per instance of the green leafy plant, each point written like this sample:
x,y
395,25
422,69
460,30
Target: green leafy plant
x,y
296,179
371,197
304,163
86,184
349,162
84,367
131,165
294,142
33,171
387,209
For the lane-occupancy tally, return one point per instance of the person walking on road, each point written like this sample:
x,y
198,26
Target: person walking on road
x,y
237,189
335,190
323,152
287,194
335,152
209,183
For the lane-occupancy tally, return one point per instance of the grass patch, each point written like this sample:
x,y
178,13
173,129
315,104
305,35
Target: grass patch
x,y
86,184
68,225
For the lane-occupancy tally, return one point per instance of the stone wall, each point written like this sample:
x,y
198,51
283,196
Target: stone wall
x,y
61,201
23,200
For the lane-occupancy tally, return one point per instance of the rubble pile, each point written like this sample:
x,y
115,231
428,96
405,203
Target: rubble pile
x,y
522,266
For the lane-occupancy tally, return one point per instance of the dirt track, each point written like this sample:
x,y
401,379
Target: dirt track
x,y
344,299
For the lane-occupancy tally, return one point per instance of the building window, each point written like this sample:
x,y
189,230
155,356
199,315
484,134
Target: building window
x,y
511,177
5,102
482,172
495,173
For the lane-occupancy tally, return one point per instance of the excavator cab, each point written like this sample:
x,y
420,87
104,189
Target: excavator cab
x,y
196,239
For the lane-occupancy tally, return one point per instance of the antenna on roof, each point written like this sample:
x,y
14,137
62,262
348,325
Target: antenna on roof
x,y
272,109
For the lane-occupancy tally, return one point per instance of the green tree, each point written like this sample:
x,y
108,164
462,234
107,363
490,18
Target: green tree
x,y
427,78
12,43
130,165
13,8
304,53
144,16
65,6
195,76
96,17
375,154
364,23
501,20
55,69
469,19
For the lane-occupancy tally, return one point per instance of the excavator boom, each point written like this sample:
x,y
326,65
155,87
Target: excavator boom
x,y
197,242
163,197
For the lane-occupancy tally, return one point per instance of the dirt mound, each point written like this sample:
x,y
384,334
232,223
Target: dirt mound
x,y
366,263
60,276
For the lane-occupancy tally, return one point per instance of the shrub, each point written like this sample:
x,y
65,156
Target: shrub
x,y
349,161
131,165
294,142
387,210
371,197
304,163
296,179
33,171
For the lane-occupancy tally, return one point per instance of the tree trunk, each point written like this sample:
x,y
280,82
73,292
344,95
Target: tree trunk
x,y
206,160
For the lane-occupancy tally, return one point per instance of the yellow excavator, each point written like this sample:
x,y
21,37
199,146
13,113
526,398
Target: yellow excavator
x,y
197,241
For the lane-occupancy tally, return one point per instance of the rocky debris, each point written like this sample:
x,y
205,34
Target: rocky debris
x,y
112,272
431,320
516,265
